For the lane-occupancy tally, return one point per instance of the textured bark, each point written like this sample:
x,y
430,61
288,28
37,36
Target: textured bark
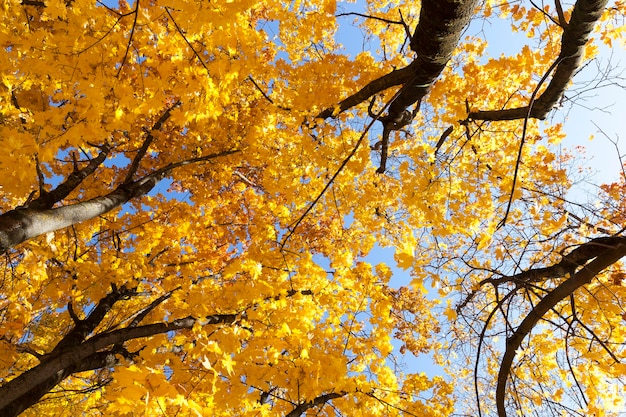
x,y
434,40
436,36
570,262
37,381
394,78
317,401
606,255
19,225
575,36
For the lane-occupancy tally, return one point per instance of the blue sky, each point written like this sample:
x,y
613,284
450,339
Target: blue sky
x,y
604,107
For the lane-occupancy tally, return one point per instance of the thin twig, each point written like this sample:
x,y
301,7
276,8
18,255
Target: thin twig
x,y
328,184
481,340
366,16
556,22
267,97
407,30
130,38
523,139
260,89
616,145
178,29
341,167
134,166
161,172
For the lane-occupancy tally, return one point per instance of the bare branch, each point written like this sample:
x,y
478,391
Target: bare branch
x,y
570,262
341,167
603,260
178,29
260,89
575,36
130,38
523,139
367,16
268,98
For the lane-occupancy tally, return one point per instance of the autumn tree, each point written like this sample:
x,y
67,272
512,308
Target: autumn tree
x,y
192,194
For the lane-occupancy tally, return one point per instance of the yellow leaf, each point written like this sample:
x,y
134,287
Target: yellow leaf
x,y
228,363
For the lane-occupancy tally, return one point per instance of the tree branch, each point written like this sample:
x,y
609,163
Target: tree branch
x,y
83,328
367,16
134,166
130,38
394,78
96,361
19,225
434,40
74,356
570,262
320,400
522,140
46,200
603,259
575,36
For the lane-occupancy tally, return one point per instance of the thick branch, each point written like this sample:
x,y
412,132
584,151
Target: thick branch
x,y
76,357
575,36
48,199
603,260
147,142
17,226
436,36
321,400
570,262
96,361
75,354
394,78
83,328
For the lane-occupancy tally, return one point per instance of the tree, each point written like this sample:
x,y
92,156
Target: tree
x,y
190,192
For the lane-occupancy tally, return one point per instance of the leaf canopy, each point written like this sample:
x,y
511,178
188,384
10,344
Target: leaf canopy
x,y
195,196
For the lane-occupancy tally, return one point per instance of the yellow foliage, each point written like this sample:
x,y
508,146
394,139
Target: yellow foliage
x,y
263,245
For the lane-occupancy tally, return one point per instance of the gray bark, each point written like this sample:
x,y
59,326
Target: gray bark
x,y
19,225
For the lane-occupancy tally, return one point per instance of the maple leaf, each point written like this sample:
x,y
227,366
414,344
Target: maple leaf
x,y
193,189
